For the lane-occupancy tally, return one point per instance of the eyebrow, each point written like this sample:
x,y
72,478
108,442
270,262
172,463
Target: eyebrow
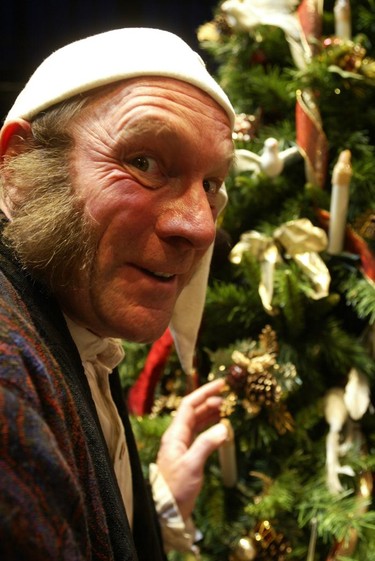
x,y
143,127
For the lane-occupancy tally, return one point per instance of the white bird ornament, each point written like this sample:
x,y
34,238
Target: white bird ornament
x,y
247,14
271,161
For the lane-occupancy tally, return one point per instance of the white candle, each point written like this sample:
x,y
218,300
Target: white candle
x,y
227,457
341,176
343,20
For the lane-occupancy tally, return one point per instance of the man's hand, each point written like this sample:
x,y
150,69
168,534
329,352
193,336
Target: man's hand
x,y
184,448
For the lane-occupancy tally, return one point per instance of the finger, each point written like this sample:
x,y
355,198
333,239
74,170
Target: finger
x,y
196,411
200,401
201,394
211,406
206,422
205,444
177,438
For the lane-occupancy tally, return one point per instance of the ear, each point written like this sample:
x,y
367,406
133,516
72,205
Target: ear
x,y
12,135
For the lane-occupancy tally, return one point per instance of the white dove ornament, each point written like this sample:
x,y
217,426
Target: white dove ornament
x,y
271,161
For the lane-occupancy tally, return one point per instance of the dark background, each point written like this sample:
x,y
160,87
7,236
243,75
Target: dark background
x,y
31,30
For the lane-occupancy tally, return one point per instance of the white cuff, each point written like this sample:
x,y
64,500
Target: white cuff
x,y
177,534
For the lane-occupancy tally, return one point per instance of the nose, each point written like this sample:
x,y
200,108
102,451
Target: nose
x,y
188,217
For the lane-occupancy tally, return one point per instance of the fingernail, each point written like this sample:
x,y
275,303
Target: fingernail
x,y
221,431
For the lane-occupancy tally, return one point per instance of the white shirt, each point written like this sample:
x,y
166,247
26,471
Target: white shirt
x,y
99,357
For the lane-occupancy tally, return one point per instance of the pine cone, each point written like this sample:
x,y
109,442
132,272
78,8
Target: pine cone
x,y
263,389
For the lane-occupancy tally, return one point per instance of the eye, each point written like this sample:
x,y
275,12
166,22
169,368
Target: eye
x,y
211,186
146,170
144,163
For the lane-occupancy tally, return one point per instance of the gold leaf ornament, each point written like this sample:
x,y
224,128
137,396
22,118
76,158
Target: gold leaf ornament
x,y
299,240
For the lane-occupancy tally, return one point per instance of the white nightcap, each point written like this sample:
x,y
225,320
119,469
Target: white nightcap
x,y
109,57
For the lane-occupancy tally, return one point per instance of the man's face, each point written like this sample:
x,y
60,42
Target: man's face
x,y
148,162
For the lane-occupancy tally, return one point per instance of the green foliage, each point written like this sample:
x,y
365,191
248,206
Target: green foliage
x,y
148,431
335,515
253,197
278,498
129,369
213,516
360,294
291,300
322,338
230,304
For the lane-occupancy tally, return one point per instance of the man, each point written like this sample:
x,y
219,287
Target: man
x,y
114,157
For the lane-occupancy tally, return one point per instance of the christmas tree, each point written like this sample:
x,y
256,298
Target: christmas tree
x,y
289,319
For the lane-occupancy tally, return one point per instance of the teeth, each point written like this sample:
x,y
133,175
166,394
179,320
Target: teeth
x,y
163,275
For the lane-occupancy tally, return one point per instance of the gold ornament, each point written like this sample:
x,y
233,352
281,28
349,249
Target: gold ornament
x,y
274,546
365,226
208,32
165,404
342,54
214,30
268,340
244,550
228,405
299,240
281,418
263,389
223,25
255,378
264,543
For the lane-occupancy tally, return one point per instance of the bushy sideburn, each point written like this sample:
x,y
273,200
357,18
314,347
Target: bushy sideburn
x,y
48,231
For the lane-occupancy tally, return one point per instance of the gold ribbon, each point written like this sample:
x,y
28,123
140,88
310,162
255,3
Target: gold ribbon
x,y
299,240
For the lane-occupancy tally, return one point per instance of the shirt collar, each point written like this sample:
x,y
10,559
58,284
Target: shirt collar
x,y
91,347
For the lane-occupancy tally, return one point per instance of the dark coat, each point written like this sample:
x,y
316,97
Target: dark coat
x,y
59,498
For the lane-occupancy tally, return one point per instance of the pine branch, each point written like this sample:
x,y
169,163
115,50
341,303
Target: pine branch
x,y
277,499
341,350
148,432
360,295
211,512
233,312
334,513
290,299
135,356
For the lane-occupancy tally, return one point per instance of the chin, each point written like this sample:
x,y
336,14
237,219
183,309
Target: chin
x,y
143,332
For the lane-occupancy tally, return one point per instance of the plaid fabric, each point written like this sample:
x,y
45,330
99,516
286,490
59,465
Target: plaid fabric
x,y
59,498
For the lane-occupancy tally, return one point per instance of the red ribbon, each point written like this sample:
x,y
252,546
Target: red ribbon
x,y
141,394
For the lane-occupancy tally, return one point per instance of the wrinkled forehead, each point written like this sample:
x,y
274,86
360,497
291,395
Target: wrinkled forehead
x,y
162,111
157,92
108,58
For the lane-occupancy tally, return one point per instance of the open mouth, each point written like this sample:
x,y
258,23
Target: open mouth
x,y
161,276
